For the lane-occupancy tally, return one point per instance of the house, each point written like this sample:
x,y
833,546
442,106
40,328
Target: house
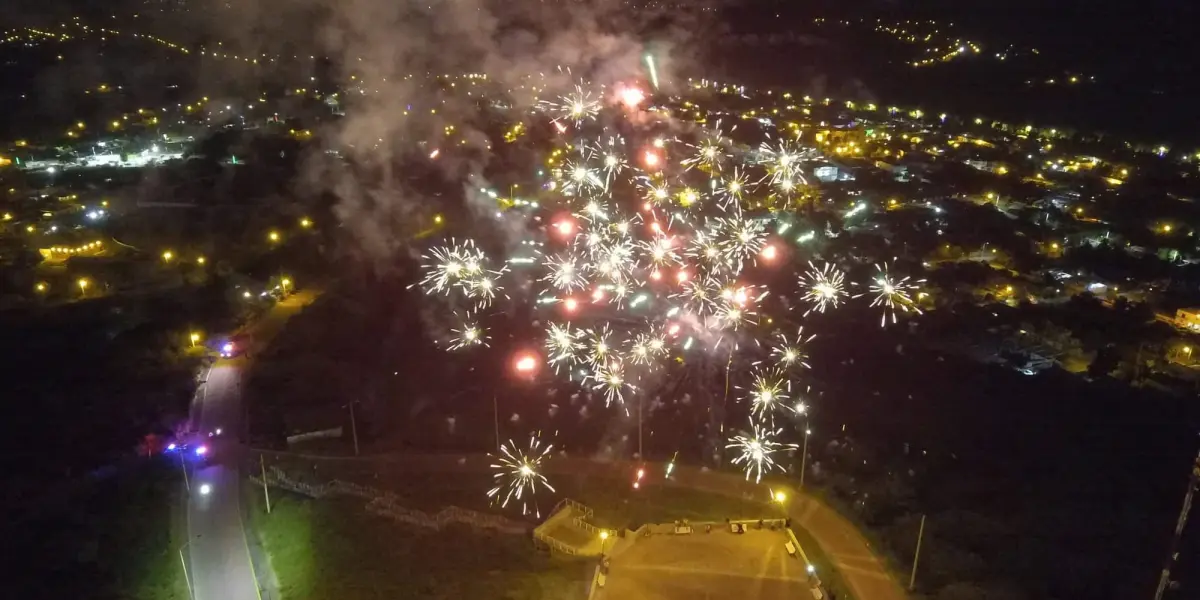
x,y
1188,318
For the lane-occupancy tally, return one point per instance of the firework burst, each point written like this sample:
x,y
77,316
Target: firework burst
x,y
790,352
517,475
451,265
892,294
755,451
576,107
468,334
768,395
824,287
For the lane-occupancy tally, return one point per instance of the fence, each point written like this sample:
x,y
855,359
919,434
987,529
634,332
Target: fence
x,y
385,504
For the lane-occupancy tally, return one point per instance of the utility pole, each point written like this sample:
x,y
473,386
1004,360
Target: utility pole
x,y
262,465
804,456
496,418
640,455
1164,579
353,427
912,579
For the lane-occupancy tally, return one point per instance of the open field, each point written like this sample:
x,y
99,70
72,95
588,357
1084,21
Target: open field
x,y
720,564
332,548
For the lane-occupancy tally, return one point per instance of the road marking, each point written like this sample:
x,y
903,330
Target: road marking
x,y
246,541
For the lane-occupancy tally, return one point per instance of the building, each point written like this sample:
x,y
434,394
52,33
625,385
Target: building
x,y
1188,318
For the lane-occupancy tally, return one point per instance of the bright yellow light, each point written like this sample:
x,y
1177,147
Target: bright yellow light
x,y
167,256
305,223
1166,228
286,282
201,260
195,337
273,236
780,497
83,283
437,219
603,535
41,287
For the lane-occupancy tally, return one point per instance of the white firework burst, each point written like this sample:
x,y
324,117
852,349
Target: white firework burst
x,y
768,394
892,294
451,265
647,349
517,475
466,335
789,353
741,239
598,346
610,378
563,344
756,451
710,152
782,162
484,287
661,251
730,191
576,107
700,295
565,273
579,178
824,287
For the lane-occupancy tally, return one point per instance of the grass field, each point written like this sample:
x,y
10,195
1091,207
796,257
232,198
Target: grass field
x,y
333,549
116,538
610,494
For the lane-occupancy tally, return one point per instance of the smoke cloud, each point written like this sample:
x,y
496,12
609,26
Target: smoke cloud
x,y
392,48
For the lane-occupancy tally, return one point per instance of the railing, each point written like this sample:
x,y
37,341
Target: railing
x,y
584,525
555,544
575,507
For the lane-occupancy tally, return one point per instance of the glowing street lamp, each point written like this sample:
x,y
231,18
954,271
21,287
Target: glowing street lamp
x,y
273,237
83,284
201,260
305,222
194,337
168,256
41,287
780,497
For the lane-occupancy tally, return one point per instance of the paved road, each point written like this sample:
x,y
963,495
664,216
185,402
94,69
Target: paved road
x,y
857,563
219,554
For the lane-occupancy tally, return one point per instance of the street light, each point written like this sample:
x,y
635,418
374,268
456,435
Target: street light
x,y
195,337
305,223
273,236
83,284
41,287
201,260
780,497
167,255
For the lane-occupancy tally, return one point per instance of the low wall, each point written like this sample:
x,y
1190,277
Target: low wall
x,y
385,504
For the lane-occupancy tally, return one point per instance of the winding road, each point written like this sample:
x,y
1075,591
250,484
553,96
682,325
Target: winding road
x,y
220,563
